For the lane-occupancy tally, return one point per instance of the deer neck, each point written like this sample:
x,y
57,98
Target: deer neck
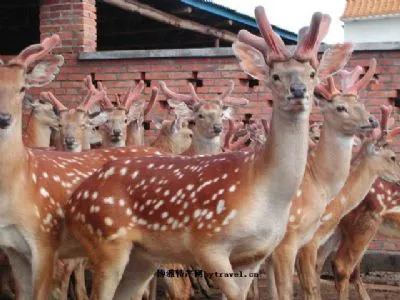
x,y
329,164
283,158
357,186
203,145
38,134
135,135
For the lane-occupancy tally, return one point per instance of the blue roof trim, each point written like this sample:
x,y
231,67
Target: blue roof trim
x,y
235,16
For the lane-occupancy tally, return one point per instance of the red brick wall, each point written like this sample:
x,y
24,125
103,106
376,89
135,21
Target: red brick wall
x,y
75,22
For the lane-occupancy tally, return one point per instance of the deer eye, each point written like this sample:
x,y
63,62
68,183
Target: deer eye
x,y
126,121
276,77
22,90
393,158
341,108
312,75
201,116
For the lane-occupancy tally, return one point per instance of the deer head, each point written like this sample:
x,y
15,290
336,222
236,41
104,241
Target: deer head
x,y
376,148
342,110
128,111
32,67
43,112
291,77
208,115
75,125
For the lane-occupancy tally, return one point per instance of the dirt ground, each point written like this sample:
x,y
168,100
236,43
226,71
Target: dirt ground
x,y
380,286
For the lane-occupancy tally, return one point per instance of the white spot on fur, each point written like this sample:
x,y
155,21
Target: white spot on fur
x,y
108,221
220,206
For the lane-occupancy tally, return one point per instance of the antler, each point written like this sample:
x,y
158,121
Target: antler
x,y
94,95
49,97
381,134
35,52
327,90
276,50
310,41
154,94
349,79
227,99
133,94
191,99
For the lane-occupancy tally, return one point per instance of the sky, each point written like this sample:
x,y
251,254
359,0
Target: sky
x,y
294,14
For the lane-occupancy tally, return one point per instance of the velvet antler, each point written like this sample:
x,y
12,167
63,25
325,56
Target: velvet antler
x,y
49,97
351,85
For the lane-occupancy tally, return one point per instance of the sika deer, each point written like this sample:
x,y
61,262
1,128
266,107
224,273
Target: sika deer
x,y
369,163
125,121
42,121
75,124
208,117
197,209
30,236
344,116
378,212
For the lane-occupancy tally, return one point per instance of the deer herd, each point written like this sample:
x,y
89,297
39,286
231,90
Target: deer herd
x,y
79,189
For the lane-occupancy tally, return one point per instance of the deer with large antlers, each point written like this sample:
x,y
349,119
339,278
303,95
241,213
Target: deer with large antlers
x,y
124,125
344,116
225,212
42,121
75,124
30,236
208,117
372,161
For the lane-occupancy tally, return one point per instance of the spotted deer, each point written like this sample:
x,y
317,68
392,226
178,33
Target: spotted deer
x,y
30,236
378,212
75,124
124,125
197,209
372,161
344,116
208,117
174,136
42,120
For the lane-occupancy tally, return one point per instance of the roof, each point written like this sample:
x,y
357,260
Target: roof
x,y
220,10
360,9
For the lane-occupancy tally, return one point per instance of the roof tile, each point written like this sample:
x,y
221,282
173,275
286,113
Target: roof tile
x,y
370,8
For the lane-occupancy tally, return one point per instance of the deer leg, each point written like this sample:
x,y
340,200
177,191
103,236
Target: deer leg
x,y
216,262
22,271
43,264
272,293
153,289
136,278
358,284
79,273
69,266
109,261
306,269
283,261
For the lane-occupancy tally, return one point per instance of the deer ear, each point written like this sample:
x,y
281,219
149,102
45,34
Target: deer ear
x,y
227,112
334,59
252,61
28,102
43,71
98,120
371,149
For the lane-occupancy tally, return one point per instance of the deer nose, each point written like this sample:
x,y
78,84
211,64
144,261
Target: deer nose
x,y
5,120
374,122
217,128
69,141
298,90
116,132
